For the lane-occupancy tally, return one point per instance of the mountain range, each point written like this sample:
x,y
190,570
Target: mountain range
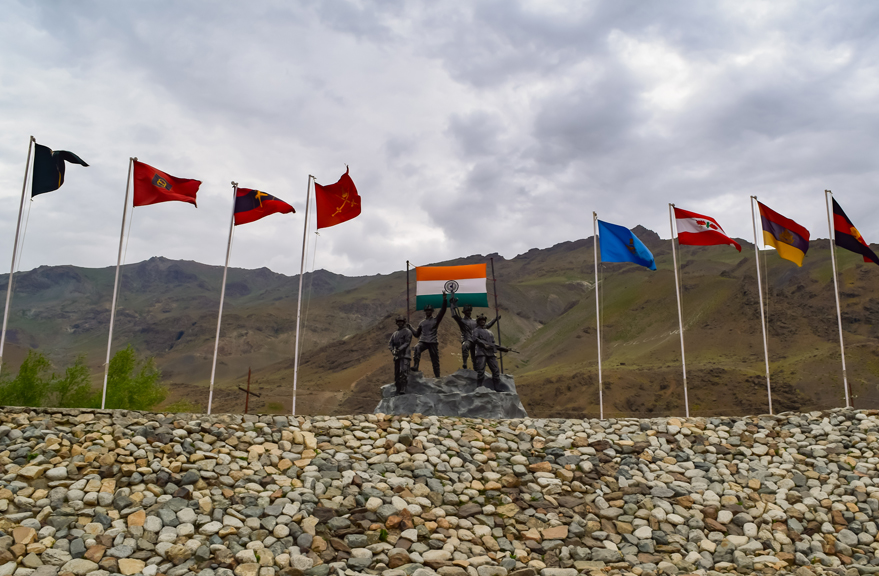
x,y
168,309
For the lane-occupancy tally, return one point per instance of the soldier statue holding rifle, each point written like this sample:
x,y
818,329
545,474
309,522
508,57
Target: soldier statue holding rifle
x,y
399,346
467,325
484,351
427,336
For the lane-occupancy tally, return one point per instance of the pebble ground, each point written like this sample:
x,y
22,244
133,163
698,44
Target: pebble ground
x,y
113,492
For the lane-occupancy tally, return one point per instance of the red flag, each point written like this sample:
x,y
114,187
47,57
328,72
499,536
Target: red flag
x,y
251,205
152,186
336,203
698,230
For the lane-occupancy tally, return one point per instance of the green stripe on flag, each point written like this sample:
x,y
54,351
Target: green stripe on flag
x,y
478,300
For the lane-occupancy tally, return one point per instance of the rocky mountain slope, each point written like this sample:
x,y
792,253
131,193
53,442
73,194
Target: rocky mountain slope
x,y
168,309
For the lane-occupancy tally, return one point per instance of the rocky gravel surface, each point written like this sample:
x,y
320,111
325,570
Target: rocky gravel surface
x,y
94,492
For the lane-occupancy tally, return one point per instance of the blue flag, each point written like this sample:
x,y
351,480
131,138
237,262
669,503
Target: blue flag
x,y
618,244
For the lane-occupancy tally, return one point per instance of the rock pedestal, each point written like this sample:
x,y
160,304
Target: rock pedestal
x,y
453,395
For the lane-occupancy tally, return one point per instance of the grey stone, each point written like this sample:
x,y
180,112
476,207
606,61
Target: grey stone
x,y
453,395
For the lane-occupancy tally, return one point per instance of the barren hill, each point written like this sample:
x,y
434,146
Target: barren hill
x,y
168,309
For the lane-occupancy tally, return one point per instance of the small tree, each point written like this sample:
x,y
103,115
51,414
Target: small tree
x,y
133,386
31,385
74,390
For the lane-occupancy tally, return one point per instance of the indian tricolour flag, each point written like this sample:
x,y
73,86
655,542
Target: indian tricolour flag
x,y
467,282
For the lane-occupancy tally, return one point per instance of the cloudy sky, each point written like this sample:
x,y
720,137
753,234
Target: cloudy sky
x,y
470,127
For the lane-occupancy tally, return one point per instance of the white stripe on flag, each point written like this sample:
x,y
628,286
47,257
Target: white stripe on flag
x,y
689,225
466,286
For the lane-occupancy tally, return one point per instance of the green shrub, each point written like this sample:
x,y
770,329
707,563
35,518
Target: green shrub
x,y
132,385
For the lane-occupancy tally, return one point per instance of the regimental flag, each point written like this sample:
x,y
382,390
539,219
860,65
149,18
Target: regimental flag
x,y
467,282
48,171
619,244
152,186
789,239
848,237
698,230
251,205
336,203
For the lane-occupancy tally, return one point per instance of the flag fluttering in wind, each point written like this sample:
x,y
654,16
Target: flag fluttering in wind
x,y
48,170
848,237
698,230
251,205
336,203
619,244
152,186
467,282
789,239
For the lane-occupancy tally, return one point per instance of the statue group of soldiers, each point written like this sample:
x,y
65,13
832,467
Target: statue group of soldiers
x,y
477,342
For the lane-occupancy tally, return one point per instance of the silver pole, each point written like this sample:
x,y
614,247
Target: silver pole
x,y
299,303
671,223
131,162
222,296
762,317
27,165
827,196
597,319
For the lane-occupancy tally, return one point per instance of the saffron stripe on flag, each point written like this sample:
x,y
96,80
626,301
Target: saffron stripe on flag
x,y
450,272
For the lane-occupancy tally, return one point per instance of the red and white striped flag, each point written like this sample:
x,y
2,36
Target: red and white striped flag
x,y
698,230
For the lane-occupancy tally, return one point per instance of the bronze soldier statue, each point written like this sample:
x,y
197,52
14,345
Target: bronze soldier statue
x,y
399,346
467,324
484,350
427,337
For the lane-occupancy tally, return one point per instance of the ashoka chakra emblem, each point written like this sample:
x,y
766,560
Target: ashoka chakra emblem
x,y
451,286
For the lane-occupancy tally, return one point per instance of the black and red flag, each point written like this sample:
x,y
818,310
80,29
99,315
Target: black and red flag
x,y
336,203
848,237
251,205
152,186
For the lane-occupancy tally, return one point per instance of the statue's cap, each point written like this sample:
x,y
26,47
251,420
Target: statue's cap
x,y
399,319
428,307
481,317
468,307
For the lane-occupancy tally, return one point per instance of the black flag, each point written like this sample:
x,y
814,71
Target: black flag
x,y
49,168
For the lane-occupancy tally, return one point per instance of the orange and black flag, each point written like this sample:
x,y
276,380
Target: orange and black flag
x,y
251,205
152,186
336,203
789,239
848,237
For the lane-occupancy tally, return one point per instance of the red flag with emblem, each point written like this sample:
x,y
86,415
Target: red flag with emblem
x,y
698,230
336,203
152,186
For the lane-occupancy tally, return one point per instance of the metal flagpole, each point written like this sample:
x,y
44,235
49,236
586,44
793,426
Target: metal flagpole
x,y
597,318
827,196
497,320
222,297
27,166
299,304
407,292
131,162
674,255
762,317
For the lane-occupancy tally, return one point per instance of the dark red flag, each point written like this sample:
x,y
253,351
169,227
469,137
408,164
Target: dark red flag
x,y
251,205
336,203
152,186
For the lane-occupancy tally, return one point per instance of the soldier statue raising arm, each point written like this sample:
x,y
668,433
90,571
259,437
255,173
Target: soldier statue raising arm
x,y
399,347
467,325
427,337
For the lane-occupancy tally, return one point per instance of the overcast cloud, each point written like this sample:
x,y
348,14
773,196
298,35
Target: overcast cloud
x,y
469,127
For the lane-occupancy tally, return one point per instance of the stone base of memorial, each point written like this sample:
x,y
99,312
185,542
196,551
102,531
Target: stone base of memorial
x,y
453,395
